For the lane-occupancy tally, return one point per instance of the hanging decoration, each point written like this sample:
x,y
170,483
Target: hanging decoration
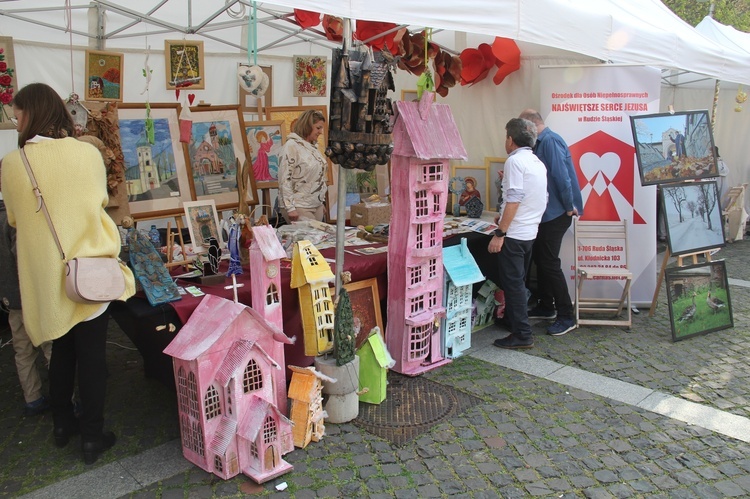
x,y
251,76
740,99
150,136
477,62
425,81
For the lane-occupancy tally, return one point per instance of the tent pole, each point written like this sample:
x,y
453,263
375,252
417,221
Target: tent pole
x,y
341,197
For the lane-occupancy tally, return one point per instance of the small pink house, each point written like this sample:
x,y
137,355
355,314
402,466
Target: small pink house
x,y
225,377
425,138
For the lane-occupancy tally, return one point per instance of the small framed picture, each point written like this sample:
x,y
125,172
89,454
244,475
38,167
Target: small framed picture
x,y
672,147
476,184
698,297
310,74
8,82
203,223
184,64
692,214
408,95
104,76
495,170
365,307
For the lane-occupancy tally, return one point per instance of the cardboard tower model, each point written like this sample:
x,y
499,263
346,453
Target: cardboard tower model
x,y
461,272
425,138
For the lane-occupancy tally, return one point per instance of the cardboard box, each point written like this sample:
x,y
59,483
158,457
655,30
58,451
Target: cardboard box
x,y
370,213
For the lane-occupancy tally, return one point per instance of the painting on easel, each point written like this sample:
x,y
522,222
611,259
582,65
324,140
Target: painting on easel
x,y
693,217
698,297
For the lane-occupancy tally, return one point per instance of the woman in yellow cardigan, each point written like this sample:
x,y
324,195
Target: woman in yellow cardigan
x,y
72,178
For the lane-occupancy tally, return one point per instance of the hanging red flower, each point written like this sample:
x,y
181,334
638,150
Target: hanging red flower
x,y
370,29
508,57
333,27
306,19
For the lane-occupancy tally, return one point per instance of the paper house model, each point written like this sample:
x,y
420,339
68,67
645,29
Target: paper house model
x,y
374,362
486,303
306,412
425,138
461,272
225,380
310,276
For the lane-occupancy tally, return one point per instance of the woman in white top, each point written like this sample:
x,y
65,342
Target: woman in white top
x,y
302,171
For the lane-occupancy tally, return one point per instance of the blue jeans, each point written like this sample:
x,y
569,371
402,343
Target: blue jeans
x,y
552,288
513,262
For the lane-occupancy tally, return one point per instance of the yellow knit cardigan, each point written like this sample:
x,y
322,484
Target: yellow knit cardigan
x,y
72,178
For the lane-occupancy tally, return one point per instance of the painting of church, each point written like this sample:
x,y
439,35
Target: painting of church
x,y
205,157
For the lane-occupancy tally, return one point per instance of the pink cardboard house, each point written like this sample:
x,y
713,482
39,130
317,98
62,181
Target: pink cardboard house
x,y
227,383
265,254
425,138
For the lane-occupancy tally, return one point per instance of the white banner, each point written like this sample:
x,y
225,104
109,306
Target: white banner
x,y
589,106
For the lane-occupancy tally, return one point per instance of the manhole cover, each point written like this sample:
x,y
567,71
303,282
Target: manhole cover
x,y
411,407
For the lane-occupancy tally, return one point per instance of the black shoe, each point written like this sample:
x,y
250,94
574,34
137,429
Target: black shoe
x,y
91,450
515,342
62,435
36,407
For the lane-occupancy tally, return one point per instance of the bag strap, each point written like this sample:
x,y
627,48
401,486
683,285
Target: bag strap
x,y
41,205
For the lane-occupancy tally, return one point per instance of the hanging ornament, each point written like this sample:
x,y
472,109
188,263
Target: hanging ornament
x,y
251,76
740,99
425,82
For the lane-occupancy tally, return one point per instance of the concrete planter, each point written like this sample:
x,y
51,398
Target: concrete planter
x,y
342,401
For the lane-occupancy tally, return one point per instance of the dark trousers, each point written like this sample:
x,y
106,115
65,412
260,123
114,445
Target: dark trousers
x,y
81,351
552,289
513,262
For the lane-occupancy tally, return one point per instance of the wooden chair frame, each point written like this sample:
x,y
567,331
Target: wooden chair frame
x,y
611,232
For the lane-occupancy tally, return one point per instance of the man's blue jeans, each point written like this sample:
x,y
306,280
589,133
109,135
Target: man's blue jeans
x,y
513,261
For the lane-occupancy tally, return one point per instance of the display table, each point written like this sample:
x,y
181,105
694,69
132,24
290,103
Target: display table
x,y
140,321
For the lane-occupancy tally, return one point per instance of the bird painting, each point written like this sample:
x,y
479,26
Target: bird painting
x,y
689,313
714,303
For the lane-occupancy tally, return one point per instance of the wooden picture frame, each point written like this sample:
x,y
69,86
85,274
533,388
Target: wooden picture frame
x,y
495,169
365,302
288,114
7,92
167,159
184,63
249,102
673,147
693,218
104,78
310,75
215,159
202,223
480,173
409,95
698,298
265,138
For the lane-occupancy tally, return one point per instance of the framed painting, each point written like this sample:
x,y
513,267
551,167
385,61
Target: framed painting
x,y
476,179
495,170
671,147
157,177
8,82
290,114
184,64
266,141
692,214
203,223
365,307
698,297
217,151
408,95
310,74
104,75
249,102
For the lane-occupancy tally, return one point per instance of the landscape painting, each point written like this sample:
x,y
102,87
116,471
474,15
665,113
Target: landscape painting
x,y
693,217
671,147
698,297
156,173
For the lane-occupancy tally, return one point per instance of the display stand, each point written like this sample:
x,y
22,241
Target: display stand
x,y
706,254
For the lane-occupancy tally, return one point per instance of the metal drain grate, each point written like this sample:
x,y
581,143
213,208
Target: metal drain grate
x,y
412,406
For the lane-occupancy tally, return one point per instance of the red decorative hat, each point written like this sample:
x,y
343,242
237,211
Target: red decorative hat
x,y
333,27
306,19
508,57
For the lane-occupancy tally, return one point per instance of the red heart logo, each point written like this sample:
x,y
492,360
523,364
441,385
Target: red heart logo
x,y
191,98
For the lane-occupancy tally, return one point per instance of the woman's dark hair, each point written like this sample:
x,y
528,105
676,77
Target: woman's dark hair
x,y
44,113
304,124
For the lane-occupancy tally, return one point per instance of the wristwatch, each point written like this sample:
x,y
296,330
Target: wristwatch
x,y
499,233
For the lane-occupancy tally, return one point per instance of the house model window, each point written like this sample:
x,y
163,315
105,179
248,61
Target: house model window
x,y
420,236
419,341
415,275
272,296
432,172
432,268
253,377
269,430
312,260
212,403
420,203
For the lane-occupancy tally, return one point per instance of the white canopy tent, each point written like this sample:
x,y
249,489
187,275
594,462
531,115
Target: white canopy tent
x,y
49,44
